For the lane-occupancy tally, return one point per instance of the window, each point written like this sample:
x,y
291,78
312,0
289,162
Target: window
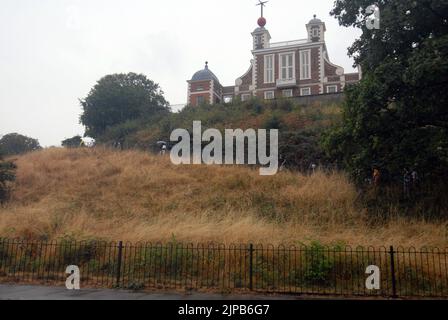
x,y
287,93
199,88
269,95
305,64
305,91
245,97
315,32
269,68
332,89
287,66
200,100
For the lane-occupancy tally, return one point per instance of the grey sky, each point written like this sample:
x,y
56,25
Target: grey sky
x,y
53,51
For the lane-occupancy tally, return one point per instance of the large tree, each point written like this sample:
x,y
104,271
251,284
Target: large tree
x,y
397,117
120,98
14,144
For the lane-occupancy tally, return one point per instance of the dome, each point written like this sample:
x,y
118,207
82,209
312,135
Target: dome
x,y
204,74
315,20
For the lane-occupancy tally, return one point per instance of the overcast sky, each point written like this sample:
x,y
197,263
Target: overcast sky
x,y
53,51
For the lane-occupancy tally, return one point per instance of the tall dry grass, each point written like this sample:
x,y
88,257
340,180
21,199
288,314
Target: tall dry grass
x,y
134,196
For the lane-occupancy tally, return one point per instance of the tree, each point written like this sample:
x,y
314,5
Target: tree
x,y
300,150
74,142
7,175
397,116
14,144
119,98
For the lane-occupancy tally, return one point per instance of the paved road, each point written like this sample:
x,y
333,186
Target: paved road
x,y
16,292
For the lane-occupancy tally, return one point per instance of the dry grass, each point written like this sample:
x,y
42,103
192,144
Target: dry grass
x,y
133,196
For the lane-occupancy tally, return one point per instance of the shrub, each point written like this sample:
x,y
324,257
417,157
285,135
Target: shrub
x,y
320,265
7,175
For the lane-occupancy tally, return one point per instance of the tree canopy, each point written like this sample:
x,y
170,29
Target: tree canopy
x,y
397,116
73,142
120,98
14,144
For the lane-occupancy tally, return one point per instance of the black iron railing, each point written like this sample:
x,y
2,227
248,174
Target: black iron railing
x,y
311,269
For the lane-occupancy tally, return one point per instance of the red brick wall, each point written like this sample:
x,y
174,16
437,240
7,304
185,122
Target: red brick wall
x,y
204,84
352,77
194,98
334,78
329,70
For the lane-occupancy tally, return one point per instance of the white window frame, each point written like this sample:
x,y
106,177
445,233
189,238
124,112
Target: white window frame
x,y
293,73
246,97
266,93
305,69
315,32
332,86
269,76
305,94
289,94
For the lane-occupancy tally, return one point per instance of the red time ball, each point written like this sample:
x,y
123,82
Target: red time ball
x,y
262,22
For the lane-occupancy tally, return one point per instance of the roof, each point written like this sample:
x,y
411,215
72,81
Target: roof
x,y
205,74
315,20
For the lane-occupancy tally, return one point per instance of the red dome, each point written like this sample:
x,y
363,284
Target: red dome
x,y
262,22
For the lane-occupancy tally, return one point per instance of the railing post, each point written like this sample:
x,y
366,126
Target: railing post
x,y
251,266
392,271
120,254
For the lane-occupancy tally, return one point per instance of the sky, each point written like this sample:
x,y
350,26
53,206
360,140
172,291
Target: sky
x,y
52,52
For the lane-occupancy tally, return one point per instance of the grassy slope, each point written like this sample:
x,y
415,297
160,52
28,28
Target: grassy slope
x,y
134,196
252,114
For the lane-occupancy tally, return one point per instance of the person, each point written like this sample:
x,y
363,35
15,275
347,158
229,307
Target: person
x,y
414,177
376,177
163,151
406,183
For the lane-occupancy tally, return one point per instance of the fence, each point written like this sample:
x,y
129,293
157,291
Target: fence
x,y
311,269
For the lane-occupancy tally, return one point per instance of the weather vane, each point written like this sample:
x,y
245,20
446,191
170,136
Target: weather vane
x,y
262,4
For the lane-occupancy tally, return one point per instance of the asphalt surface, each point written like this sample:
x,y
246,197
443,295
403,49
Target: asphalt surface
x,y
18,292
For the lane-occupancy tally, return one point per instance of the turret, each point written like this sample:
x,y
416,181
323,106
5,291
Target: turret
x,y
316,30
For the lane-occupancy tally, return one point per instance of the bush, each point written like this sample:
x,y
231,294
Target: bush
x,y
320,265
7,175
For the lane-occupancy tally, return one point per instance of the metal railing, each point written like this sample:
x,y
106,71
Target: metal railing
x,y
311,269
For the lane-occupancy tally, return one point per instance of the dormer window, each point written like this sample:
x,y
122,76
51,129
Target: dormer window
x,y
315,32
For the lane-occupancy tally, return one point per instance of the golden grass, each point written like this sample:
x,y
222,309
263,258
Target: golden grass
x,y
134,196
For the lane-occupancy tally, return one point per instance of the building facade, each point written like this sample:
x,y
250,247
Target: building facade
x,y
277,70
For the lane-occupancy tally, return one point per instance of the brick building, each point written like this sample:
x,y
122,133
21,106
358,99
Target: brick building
x,y
278,70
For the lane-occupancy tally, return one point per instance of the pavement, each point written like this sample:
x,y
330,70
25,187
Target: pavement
x,y
31,292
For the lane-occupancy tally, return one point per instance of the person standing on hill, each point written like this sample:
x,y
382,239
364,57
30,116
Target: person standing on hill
x,y
163,151
376,177
406,183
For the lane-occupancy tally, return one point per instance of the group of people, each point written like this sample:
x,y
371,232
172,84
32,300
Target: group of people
x,y
410,179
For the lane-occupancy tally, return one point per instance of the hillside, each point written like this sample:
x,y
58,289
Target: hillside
x,y
300,126
135,196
